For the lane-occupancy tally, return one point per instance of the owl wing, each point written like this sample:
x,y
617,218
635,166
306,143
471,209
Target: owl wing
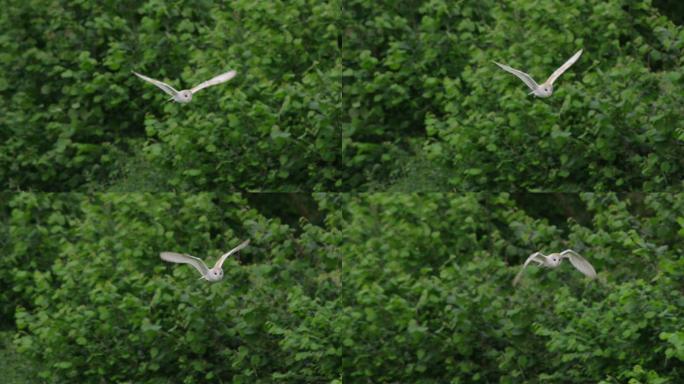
x,y
213,81
536,257
527,79
163,86
219,263
185,259
579,262
563,68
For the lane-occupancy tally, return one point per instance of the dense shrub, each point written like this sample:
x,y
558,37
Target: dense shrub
x,y
5,297
423,94
41,222
108,307
74,117
388,288
428,298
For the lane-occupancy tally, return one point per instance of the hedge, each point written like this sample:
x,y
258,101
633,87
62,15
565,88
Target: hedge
x,y
93,300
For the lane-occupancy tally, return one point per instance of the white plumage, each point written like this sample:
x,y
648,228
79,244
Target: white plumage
x,y
554,260
214,274
546,88
185,96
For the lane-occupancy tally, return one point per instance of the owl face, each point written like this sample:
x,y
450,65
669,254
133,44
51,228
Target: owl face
x,y
544,90
215,274
183,96
554,260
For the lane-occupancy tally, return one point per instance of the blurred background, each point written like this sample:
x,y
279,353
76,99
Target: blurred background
x,y
427,109
75,118
403,278
428,296
84,296
359,288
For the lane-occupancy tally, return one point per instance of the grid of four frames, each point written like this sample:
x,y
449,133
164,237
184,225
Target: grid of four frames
x,y
355,191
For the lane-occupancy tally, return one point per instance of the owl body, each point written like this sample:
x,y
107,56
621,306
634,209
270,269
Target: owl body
x,y
184,96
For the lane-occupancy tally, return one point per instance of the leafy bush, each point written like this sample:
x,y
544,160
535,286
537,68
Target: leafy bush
x,y
78,119
428,297
35,226
5,299
419,80
108,307
423,294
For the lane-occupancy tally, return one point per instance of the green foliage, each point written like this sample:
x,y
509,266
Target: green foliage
x,y
422,71
36,226
73,106
381,288
106,306
5,300
14,369
428,298
359,288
